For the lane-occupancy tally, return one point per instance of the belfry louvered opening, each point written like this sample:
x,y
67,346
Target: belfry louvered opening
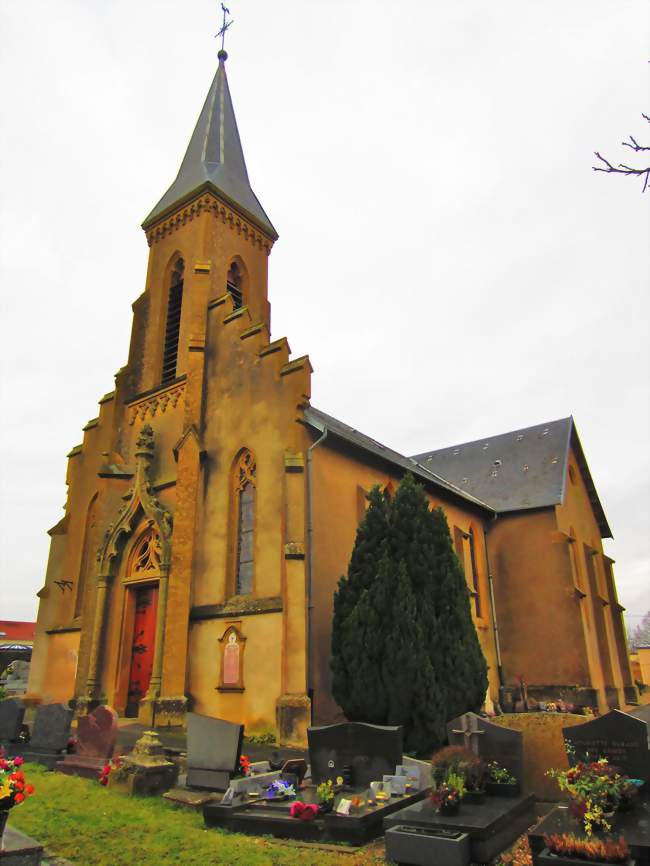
x,y
173,326
233,285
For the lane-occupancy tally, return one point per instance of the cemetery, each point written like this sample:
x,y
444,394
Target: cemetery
x,y
354,784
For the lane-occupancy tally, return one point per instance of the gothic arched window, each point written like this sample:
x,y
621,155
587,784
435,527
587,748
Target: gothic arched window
x,y
234,284
173,325
145,556
244,492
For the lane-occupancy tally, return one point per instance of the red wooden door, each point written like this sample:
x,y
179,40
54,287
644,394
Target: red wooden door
x,y
142,646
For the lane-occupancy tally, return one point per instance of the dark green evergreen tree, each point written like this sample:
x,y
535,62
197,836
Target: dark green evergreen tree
x,y
349,650
404,648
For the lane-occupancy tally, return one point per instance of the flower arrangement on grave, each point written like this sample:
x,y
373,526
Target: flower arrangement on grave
x,y
325,792
461,762
597,790
279,789
110,768
244,767
497,773
303,811
446,795
601,850
14,788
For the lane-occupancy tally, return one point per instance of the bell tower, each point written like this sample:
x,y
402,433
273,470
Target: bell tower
x,y
208,235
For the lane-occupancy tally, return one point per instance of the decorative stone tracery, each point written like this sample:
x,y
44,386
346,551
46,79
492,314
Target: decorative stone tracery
x,y
153,553
157,403
209,203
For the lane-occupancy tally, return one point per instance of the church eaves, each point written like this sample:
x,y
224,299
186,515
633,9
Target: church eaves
x,y
214,160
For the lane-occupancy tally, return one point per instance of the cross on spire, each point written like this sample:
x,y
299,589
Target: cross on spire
x,y
224,26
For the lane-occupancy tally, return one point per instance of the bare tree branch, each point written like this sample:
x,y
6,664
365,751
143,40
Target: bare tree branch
x,y
621,168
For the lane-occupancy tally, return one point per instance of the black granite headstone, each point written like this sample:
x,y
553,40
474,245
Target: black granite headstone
x,y
617,736
370,750
12,713
489,741
213,751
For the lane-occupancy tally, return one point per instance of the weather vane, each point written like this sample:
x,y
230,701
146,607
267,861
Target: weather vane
x,y
224,26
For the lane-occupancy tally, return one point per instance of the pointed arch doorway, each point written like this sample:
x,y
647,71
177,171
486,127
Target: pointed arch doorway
x,y
141,584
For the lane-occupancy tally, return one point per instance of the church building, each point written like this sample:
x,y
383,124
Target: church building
x,y
211,508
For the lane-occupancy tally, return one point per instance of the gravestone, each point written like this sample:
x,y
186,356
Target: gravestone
x,y
50,735
96,736
489,741
145,770
617,736
12,713
16,682
213,751
370,750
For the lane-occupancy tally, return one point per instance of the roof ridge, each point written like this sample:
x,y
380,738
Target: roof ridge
x,y
386,451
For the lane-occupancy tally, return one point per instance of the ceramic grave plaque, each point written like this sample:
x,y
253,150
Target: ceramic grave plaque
x,y
370,750
617,736
12,712
213,751
489,741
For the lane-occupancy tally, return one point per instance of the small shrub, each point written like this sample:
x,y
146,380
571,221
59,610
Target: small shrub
x,y
462,762
603,850
264,738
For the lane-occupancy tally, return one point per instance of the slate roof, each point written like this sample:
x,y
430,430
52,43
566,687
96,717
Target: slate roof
x,y
321,421
215,159
520,470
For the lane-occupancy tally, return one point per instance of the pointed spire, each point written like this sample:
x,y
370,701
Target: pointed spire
x,y
215,159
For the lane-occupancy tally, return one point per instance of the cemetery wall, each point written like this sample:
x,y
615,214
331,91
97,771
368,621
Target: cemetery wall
x,y
543,748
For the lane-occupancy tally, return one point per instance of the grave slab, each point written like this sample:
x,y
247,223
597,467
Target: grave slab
x,y
264,817
17,849
371,751
491,826
50,734
213,751
12,713
633,825
96,736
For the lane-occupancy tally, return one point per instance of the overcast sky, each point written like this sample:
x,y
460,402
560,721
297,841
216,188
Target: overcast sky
x,y
447,257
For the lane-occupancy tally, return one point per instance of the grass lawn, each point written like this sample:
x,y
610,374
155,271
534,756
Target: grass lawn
x,y
95,826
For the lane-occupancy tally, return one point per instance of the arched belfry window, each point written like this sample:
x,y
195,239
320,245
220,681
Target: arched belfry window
x,y
234,284
244,491
173,325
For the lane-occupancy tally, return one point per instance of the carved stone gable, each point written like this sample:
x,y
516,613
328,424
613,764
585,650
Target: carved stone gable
x,y
140,498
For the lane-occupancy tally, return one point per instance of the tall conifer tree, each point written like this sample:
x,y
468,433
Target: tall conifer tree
x,y
349,632
404,648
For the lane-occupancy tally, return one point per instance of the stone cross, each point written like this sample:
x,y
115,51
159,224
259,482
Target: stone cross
x,y
469,730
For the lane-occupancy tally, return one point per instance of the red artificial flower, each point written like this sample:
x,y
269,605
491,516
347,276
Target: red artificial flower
x,y
3,764
29,789
18,762
18,798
